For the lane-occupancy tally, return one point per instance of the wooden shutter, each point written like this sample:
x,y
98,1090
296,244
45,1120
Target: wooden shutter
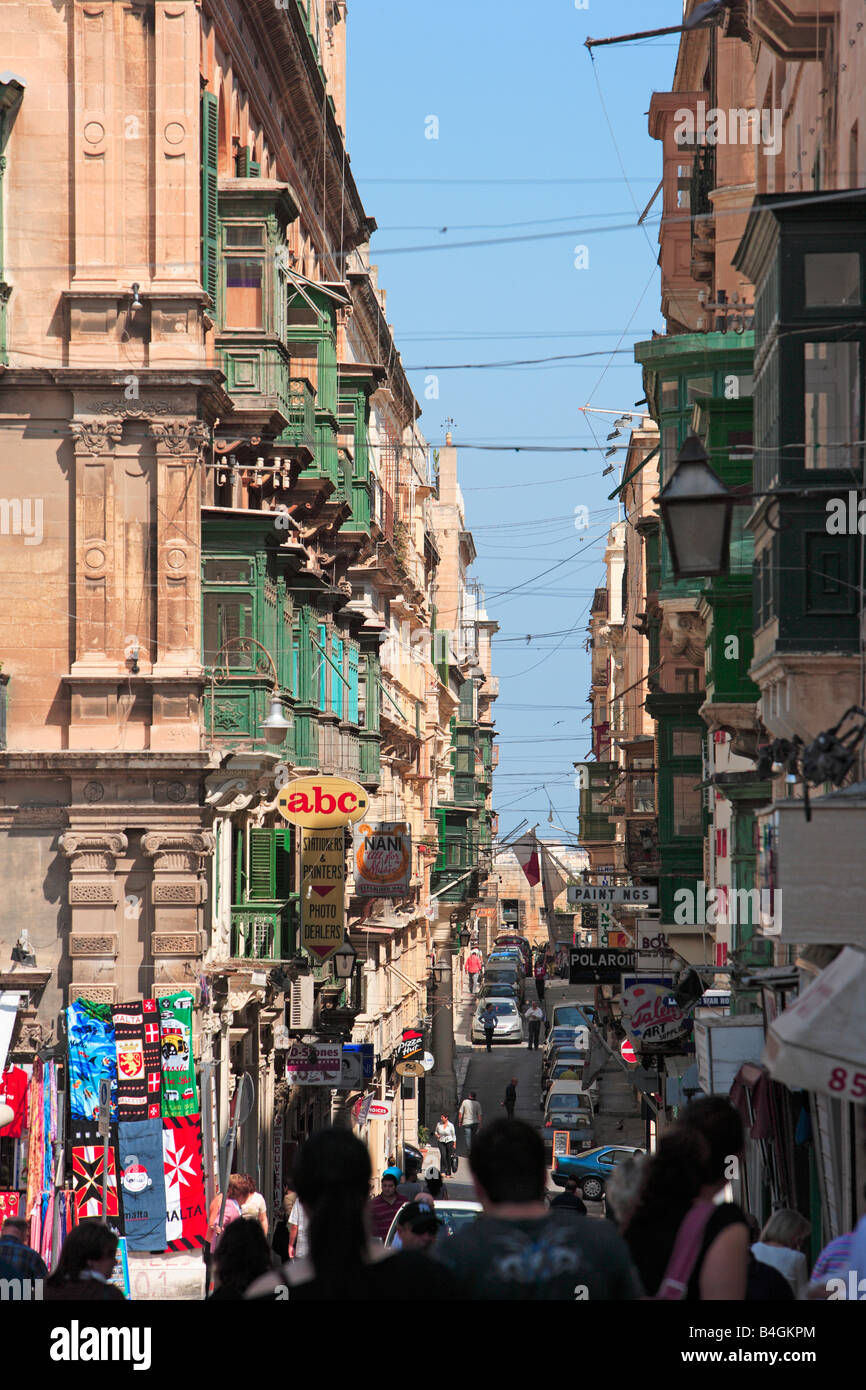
x,y
352,713
262,865
209,186
284,862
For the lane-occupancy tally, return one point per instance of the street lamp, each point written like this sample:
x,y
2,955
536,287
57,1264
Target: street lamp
x,y
696,510
441,970
277,726
463,936
344,961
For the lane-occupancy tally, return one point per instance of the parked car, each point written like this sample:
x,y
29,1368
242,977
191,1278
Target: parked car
x,y
509,956
521,942
561,1015
509,1024
566,1035
505,975
568,1107
453,1215
499,990
567,1066
592,1168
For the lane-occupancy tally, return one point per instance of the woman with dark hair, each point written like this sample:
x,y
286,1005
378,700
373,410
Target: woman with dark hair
x,y
332,1179
85,1264
682,1178
435,1185
243,1256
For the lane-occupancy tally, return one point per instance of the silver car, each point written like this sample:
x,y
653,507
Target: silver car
x,y
509,1024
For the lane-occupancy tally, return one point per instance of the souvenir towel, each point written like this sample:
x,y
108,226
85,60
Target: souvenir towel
x,y
13,1092
142,1178
88,1150
92,1057
9,1205
186,1220
136,1040
179,1091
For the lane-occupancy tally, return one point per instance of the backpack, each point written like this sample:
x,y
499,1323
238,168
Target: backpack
x,y
684,1256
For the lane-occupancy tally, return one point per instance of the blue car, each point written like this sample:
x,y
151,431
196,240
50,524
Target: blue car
x,y
592,1168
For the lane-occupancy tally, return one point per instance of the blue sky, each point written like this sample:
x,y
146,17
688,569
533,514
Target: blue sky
x,y
533,139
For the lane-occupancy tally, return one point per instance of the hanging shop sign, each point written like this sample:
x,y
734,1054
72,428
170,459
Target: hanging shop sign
x,y
410,1054
314,1064
383,860
428,1061
597,965
358,1061
650,1014
361,1109
323,880
379,1109
636,895
322,803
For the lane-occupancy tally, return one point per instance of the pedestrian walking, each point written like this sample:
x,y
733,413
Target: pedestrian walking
x,y
332,1178
570,1199
521,1250
540,976
254,1206
412,1184
510,1097
534,1017
243,1256
473,970
85,1266
446,1138
299,1242
236,1193
384,1208
469,1116
488,1023
16,1252
676,1225
780,1244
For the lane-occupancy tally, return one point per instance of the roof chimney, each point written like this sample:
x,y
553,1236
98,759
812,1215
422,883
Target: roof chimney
x,y
448,437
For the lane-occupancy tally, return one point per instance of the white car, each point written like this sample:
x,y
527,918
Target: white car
x,y
509,1024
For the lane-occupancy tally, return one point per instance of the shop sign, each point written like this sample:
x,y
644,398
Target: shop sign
x,y
640,895
560,1143
379,1109
597,965
650,1014
410,1053
314,1064
323,882
383,860
322,803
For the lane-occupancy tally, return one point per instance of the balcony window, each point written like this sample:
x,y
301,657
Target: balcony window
x,y
698,388
244,292
832,279
670,395
685,743
227,616
241,236
686,806
831,400
225,571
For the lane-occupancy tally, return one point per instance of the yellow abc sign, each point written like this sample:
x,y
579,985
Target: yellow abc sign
x,y
322,802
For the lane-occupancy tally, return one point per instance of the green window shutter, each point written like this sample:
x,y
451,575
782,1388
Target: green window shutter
x,y
284,862
209,186
337,686
352,675
262,865
242,162
323,667
254,169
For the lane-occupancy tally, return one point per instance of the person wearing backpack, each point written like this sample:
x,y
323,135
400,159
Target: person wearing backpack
x,y
686,1246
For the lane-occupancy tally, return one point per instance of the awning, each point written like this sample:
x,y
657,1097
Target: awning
x,y
819,1043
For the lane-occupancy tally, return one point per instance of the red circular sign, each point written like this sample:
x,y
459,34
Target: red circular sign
x,y
627,1050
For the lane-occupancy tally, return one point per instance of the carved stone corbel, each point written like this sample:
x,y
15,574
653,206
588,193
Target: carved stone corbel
x,y
96,437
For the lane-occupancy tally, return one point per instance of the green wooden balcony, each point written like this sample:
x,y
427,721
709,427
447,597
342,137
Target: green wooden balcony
x,y
299,408
264,931
370,766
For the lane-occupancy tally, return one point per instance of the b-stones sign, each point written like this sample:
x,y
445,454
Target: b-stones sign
x,y
597,965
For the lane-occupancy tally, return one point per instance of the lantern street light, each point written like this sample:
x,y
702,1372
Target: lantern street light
x,y
441,970
696,510
279,722
463,936
344,961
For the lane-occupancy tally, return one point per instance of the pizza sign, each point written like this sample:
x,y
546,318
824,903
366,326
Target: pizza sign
x,y
383,860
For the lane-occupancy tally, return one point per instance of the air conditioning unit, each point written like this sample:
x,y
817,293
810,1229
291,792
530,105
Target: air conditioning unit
x,y
300,1006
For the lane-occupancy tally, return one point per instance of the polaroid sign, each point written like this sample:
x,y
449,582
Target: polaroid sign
x,y
598,966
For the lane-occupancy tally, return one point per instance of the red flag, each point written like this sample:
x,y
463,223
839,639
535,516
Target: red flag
x,y
186,1212
526,852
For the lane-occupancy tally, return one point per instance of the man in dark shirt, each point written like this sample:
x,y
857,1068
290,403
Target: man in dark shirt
x,y
510,1097
520,1250
15,1252
569,1200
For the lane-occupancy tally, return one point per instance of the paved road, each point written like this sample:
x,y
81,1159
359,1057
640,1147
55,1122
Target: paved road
x,y
488,1074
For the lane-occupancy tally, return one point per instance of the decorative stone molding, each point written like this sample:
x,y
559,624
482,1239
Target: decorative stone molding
x,y
98,994
741,721
30,1039
165,943
93,851
142,412
169,894
687,635
90,894
91,944
180,436
177,850
96,436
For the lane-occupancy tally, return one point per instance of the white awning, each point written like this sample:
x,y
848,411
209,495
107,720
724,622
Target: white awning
x,y
819,1043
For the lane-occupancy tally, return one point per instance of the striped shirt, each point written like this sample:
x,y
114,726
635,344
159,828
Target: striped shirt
x,y
834,1259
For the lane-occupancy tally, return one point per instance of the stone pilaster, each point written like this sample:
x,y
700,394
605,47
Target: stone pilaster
x,y
95,570
94,894
178,893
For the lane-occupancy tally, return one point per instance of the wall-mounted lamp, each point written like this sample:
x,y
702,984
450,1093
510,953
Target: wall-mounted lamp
x,y
136,300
